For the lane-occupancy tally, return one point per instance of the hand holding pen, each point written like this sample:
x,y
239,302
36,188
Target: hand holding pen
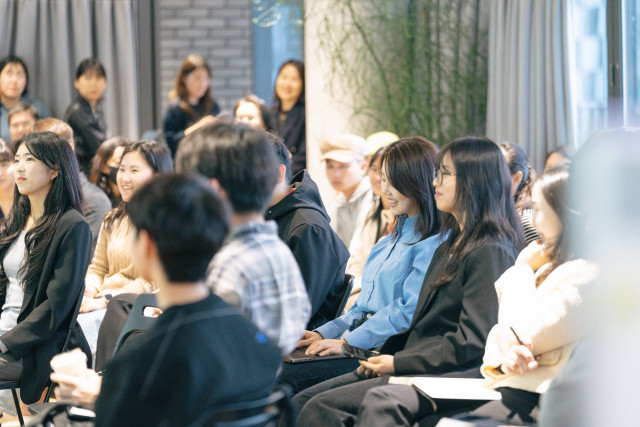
x,y
520,358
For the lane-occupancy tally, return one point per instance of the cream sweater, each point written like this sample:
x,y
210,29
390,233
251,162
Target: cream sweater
x,y
554,315
112,270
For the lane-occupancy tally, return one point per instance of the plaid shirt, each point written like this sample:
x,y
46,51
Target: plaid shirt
x,y
255,271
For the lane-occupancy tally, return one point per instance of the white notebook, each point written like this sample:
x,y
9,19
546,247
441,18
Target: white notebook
x,y
449,388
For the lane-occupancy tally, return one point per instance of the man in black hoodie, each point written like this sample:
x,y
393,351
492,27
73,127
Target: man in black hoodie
x,y
303,224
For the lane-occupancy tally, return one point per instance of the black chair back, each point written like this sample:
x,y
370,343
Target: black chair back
x,y
347,285
137,321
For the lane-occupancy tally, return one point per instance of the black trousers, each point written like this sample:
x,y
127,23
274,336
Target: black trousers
x,y
301,376
118,310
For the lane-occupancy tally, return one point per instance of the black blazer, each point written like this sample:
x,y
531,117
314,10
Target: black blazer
x,y
449,328
48,307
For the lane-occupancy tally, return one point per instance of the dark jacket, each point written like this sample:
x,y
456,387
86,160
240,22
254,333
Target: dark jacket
x,y
89,130
176,120
294,132
303,224
48,307
196,356
449,328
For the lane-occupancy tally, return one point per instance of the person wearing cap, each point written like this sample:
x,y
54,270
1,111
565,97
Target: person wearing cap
x,y
345,165
377,140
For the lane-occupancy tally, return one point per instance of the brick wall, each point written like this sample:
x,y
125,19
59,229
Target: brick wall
x,y
220,30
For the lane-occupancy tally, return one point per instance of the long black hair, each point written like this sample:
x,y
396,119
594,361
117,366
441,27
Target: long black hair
x,y
157,156
65,193
553,184
518,162
410,163
483,199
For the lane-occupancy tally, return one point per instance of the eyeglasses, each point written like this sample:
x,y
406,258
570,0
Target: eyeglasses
x,y
439,174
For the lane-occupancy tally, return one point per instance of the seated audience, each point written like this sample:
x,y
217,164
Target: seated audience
x,y
343,155
7,182
97,204
303,224
254,270
85,115
378,222
191,105
105,166
541,300
112,270
201,352
253,111
14,85
288,112
522,177
559,156
45,249
21,118
457,305
393,274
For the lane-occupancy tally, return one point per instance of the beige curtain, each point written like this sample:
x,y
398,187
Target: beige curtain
x,y
53,36
529,88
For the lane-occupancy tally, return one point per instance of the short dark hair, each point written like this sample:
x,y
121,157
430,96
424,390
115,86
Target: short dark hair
x,y
12,59
284,157
185,219
240,158
19,107
91,64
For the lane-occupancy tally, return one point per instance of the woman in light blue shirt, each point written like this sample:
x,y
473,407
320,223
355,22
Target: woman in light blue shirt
x,y
393,274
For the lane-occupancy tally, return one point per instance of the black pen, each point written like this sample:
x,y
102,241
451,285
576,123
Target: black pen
x,y
517,337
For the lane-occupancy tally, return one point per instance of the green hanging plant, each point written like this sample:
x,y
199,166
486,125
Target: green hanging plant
x,y
414,67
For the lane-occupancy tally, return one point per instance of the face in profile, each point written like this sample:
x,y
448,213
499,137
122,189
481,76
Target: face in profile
x,y
399,204
249,113
197,83
13,81
134,172
544,218
91,86
375,176
289,84
32,176
20,124
344,176
445,185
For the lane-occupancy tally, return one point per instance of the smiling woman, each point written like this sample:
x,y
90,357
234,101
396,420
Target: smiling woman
x,y
191,104
288,112
112,271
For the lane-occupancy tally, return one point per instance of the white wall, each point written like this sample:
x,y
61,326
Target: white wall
x,y
325,115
